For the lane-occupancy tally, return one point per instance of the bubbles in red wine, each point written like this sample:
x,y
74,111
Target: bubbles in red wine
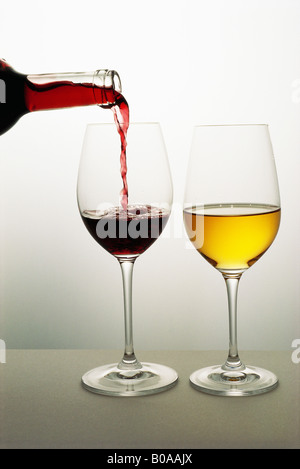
x,y
126,232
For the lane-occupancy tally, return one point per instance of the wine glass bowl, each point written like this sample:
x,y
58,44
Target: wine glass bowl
x,y
125,208
232,215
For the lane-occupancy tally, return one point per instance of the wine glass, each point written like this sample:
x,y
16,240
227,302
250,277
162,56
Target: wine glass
x,y
125,227
232,215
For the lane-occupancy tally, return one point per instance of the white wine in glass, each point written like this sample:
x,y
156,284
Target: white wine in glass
x,y
232,215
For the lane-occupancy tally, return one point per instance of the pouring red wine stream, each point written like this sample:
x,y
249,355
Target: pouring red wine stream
x,y
21,94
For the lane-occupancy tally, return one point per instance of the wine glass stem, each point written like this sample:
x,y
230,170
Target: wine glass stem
x,y
233,362
129,360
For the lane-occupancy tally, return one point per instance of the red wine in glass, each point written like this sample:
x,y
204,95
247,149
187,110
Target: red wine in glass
x,y
126,232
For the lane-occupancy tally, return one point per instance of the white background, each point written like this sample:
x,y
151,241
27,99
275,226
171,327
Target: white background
x,y
181,63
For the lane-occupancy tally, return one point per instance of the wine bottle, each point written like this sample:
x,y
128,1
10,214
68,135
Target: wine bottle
x,y
21,94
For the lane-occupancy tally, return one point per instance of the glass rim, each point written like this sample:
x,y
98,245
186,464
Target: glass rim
x,y
95,124
232,125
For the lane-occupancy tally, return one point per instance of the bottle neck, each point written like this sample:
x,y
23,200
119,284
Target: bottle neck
x,y
64,90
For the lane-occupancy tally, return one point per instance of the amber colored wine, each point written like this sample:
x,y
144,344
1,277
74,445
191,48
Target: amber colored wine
x,y
232,236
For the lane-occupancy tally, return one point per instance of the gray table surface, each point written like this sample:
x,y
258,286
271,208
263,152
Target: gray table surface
x,y
43,405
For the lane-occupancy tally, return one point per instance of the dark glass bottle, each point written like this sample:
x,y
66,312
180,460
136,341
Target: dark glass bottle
x,y
21,94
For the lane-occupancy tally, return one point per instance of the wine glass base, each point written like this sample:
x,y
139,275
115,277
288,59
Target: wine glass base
x,y
250,381
110,380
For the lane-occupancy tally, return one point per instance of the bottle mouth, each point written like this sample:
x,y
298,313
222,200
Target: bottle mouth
x,y
116,81
108,79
